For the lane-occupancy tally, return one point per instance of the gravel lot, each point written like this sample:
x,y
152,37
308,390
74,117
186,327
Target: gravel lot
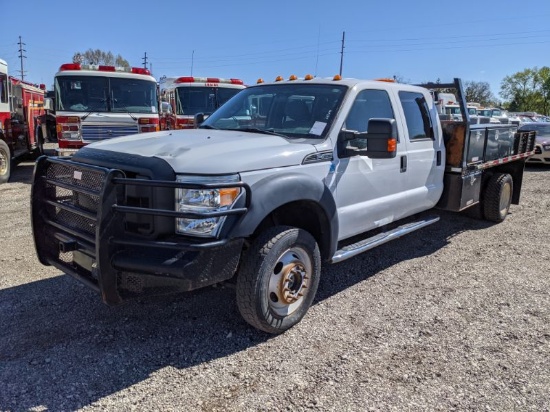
x,y
453,317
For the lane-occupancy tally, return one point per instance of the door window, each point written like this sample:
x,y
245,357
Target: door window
x,y
417,115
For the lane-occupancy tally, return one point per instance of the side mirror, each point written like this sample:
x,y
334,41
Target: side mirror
x,y
382,138
379,142
165,108
48,103
199,118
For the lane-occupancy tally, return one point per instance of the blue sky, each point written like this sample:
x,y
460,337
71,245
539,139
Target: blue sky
x,y
416,40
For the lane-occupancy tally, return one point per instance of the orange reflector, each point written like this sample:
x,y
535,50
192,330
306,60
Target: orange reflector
x,y
227,196
279,78
73,119
292,77
143,120
337,77
388,80
392,144
308,77
260,80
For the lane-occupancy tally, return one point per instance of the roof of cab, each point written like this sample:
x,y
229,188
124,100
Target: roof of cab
x,y
349,82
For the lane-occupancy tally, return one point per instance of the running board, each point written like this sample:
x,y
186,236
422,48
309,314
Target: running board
x,y
381,238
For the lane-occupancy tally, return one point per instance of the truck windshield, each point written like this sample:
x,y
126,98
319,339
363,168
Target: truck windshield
x,y
292,110
193,100
105,94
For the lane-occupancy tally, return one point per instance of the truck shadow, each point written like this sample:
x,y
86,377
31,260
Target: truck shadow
x,y
22,172
62,349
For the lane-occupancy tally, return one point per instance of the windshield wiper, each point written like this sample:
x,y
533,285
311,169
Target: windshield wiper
x,y
207,126
91,111
262,131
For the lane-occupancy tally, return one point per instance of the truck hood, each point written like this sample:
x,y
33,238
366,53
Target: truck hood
x,y
204,151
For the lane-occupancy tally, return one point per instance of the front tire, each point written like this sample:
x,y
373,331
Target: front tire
x,y
498,197
278,279
5,162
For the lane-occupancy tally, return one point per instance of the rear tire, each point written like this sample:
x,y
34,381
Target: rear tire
x,y
5,162
278,279
498,197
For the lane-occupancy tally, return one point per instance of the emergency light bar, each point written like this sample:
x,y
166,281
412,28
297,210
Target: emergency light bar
x,y
101,68
190,79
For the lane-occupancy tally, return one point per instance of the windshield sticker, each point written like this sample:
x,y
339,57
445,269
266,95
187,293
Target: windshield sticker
x,y
317,128
153,109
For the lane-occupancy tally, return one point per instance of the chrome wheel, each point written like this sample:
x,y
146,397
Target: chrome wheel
x,y
505,196
4,161
289,281
278,278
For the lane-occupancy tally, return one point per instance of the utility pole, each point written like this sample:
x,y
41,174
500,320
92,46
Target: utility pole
x,y
342,52
144,58
21,57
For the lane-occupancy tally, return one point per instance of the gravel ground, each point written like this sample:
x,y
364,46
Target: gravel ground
x,y
453,317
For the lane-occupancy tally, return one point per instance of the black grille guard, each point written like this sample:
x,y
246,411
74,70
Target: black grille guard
x,y
78,207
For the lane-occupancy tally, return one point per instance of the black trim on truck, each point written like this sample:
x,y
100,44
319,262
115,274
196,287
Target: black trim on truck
x,y
87,223
275,191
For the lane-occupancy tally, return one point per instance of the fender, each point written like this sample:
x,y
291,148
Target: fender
x,y
273,192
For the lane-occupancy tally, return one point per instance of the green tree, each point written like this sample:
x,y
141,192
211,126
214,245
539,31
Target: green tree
x,y
528,90
479,92
100,57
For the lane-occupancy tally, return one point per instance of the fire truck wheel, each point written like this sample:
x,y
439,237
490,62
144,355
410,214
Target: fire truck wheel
x,y
5,162
278,279
498,197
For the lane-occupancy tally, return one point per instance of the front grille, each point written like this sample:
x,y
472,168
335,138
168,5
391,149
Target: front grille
x,y
74,195
92,133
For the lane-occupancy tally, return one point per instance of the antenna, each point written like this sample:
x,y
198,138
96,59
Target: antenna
x,y
21,57
192,55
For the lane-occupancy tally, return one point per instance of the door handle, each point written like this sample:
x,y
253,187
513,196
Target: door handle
x,y
403,164
438,158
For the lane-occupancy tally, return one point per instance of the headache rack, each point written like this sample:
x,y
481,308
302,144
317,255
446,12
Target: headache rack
x,y
83,215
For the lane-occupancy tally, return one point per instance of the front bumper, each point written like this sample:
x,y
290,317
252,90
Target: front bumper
x,y
542,154
115,233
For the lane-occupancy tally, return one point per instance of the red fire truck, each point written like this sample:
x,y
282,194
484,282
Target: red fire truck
x,y
21,103
95,102
184,97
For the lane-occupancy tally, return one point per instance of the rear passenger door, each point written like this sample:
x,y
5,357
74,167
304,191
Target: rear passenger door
x,y
424,158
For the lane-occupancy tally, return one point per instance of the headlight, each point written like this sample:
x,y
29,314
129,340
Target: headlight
x,y
204,201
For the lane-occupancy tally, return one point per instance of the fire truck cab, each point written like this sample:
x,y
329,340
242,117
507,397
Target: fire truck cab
x,y
21,103
95,102
184,97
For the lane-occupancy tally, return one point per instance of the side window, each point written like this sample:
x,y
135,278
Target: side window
x,y
3,89
368,104
417,115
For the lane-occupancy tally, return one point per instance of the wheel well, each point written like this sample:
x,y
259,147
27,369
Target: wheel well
x,y
306,215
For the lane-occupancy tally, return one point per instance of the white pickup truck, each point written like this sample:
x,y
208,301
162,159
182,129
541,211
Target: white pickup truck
x,y
284,176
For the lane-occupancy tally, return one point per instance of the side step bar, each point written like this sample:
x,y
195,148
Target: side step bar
x,y
381,238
